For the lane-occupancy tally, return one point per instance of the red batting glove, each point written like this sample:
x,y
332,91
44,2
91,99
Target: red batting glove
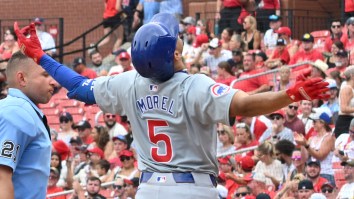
x,y
304,75
29,46
314,88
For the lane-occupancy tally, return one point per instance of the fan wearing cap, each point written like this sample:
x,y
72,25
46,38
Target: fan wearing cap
x,y
347,189
292,45
66,127
308,53
84,130
279,56
215,55
279,131
305,189
226,167
120,144
341,60
52,183
319,69
79,66
321,145
94,155
271,35
128,169
124,60
332,103
312,172
192,44
258,185
328,190
46,40
244,168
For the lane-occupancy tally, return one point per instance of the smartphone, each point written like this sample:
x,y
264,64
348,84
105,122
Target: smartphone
x,y
341,152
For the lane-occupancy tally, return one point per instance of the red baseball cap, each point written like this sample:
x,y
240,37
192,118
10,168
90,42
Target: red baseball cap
x,y
126,153
124,55
284,30
247,163
224,160
62,148
192,30
278,112
201,39
97,151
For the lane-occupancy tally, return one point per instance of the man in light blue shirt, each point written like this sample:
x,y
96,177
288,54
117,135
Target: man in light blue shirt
x,y
173,7
25,145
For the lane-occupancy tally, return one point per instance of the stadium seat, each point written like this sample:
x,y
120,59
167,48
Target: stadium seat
x,y
52,111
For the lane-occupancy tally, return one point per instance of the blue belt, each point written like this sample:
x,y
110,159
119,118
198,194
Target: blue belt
x,y
178,177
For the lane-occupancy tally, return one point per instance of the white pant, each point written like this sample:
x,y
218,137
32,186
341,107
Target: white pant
x,y
168,188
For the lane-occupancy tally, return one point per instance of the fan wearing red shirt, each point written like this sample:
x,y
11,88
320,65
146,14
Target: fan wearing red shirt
x,y
279,56
79,66
308,53
291,45
253,85
52,183
312,170
348,8
225,74
226,167
336,34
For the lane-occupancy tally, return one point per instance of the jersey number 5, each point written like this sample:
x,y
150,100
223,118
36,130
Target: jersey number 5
x,y
160,137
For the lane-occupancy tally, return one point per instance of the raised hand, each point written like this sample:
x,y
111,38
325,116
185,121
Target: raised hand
x,y
314,88
29,46
300,139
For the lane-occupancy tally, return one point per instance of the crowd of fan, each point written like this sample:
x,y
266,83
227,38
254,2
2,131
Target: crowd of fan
x,y
293,150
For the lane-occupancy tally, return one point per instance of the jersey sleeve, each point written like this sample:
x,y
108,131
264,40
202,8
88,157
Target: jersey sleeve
x,y
17,128
109,91
209,101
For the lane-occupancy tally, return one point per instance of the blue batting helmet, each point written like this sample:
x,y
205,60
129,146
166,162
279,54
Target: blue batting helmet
x,y
153,47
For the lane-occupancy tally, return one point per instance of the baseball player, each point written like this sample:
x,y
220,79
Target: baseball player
x,y
172,114
25,146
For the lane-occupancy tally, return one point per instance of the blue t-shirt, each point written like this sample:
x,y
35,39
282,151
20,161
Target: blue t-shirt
x,y
171,6
25,145
151,7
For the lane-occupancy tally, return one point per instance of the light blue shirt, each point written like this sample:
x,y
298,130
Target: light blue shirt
x,y
25,145
151,7
171,6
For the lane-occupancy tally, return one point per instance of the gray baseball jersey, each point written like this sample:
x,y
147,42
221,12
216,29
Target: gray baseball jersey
x,y
173,122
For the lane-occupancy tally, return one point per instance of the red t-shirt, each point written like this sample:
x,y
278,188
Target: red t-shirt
x,y
251,84
318,185
271,4
283,56
348,6
329,41
226,81
231,186
51,190
110,9
89,73
249,153
302,56
231,3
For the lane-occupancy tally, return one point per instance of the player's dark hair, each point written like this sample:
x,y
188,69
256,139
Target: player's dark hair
x,y
104,164
285,147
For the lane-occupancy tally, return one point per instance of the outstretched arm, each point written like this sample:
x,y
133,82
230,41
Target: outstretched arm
x,y
268,102
79,87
